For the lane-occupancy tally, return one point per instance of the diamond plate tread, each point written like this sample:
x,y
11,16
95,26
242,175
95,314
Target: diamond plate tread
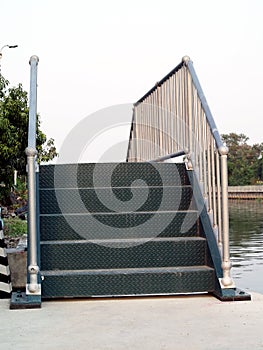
x,y
135,199
112,254
123,174
129,225
128,282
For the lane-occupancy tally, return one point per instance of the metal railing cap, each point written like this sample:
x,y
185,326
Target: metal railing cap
x,y
33,59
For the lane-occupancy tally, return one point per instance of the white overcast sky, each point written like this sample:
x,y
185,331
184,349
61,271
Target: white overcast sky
x,y
95,54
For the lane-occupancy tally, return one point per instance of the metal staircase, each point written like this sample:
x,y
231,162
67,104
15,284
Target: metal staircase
x,y
144,227
91,250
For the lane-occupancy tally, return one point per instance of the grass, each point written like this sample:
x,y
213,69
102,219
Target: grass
x,y
14,227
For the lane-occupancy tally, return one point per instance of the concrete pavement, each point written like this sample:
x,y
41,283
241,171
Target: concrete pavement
x,y
161,323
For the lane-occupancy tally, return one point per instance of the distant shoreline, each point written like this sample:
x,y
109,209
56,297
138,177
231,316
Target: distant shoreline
x,y
245,192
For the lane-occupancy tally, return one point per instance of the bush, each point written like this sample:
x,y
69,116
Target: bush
x,y
14,227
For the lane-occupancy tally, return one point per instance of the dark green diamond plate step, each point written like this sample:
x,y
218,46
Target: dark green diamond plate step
x,y
113,254
114,199
128,282
129,225
111,175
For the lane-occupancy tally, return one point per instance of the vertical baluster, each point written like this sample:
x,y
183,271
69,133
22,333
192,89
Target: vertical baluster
x,y
200,147
150,126
157,122
130,154
190,111
146,106
159,119
186,109
144,132
181,109
205,156
213,185
196,140
172,111
170,115
140,133
165,114
156,134
198,134
164,106
151,129
209,169
176,98
218,182
139,130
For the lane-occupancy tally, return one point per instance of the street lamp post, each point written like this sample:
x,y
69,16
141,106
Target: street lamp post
x,y
10,47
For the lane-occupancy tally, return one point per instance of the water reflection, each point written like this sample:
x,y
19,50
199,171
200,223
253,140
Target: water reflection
x,y
246,243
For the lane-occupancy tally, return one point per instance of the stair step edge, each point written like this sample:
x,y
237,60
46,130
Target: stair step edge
x,y
125,240
176,269
125,212
115,187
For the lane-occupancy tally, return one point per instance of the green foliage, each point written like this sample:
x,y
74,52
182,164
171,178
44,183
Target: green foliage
x,y
243,160
19,193
14,227
14,115
21,188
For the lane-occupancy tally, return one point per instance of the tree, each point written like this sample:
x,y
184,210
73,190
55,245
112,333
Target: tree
x,y
243,160
14,114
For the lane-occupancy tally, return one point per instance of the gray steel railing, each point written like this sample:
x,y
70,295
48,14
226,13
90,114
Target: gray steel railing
x,y
33,287
174,118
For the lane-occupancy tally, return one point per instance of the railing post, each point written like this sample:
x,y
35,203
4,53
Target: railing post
x,y
32,297
33,287
226,281
33,269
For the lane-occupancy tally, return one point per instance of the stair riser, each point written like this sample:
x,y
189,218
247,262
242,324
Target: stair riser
x,y
88,285
114,200
143,225
85,255
123,174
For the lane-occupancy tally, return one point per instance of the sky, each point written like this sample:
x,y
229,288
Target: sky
x,y
97,54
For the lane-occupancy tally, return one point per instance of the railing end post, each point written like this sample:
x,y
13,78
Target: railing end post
x,y
223,150
34,58
186,59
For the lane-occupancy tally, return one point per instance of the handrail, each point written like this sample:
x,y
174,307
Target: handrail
x,y
204,103
168,156
33,287
173,116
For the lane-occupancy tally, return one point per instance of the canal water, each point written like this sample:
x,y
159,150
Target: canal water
x,y
246,244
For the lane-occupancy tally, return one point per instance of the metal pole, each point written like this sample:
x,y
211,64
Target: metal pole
x,y
33,287
33,102
218,181
226,263
33,268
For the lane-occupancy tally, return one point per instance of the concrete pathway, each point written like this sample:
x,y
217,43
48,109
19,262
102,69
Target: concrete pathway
x,y
199,322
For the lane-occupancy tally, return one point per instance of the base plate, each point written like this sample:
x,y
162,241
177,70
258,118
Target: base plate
x,y
232,294
20,300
